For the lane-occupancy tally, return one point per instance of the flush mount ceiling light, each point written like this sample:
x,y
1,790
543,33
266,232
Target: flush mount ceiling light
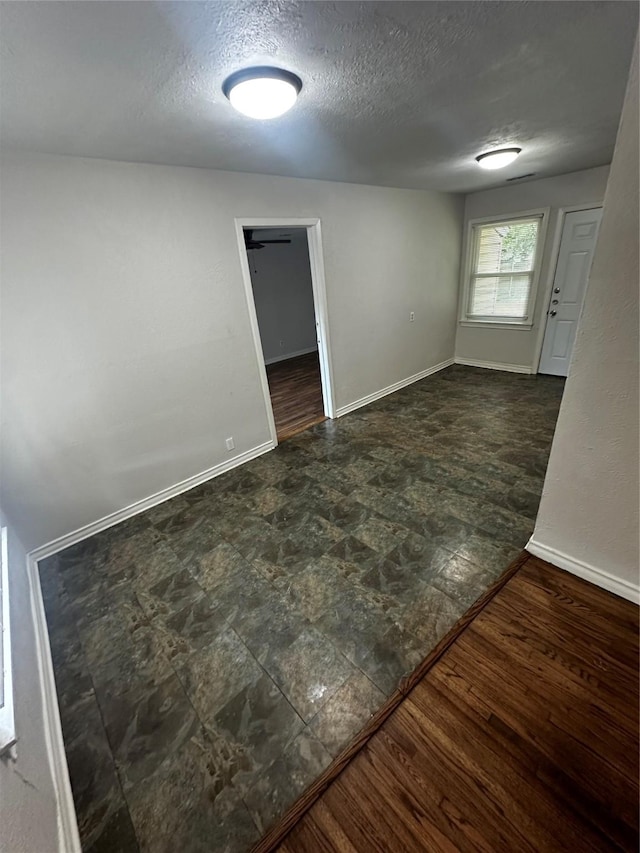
x,y
262,92
498,159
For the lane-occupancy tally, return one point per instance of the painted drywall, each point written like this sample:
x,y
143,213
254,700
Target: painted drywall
x,y
520,346
589,507
28,811
283,296
128,357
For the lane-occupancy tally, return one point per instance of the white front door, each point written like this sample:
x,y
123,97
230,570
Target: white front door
x,y
579,234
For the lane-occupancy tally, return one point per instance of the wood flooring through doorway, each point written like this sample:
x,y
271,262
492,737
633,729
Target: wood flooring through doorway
x,y
296,394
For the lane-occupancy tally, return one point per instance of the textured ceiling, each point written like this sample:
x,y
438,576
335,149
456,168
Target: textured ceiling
x,y
397,94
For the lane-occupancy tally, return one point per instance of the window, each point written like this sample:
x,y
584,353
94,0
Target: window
x,y
502,271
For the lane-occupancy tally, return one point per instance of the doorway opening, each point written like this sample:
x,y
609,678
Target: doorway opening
x,y
284,285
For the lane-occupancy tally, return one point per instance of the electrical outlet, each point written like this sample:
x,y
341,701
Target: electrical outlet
x,y
412,317
230,443
281,344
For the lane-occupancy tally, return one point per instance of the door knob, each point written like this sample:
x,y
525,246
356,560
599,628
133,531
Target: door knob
x,y
554,301
556,290
552,313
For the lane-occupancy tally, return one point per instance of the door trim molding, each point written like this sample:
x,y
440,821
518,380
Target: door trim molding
x,y
553,268
318,283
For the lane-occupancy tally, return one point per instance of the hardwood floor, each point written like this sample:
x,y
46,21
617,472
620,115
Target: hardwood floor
x,y
523,735
296,394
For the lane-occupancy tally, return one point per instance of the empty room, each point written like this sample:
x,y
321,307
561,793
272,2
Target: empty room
x,y
319,437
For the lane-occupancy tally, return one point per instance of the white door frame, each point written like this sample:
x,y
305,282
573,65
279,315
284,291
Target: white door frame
x,y
553,268
314,239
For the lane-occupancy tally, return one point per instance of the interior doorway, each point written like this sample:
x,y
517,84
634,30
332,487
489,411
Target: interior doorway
x,y
284,284
575,253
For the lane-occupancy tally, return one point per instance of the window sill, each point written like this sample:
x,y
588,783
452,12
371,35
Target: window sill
x,y
489,324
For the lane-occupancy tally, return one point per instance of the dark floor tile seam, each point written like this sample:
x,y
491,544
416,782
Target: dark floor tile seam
x,y
116,771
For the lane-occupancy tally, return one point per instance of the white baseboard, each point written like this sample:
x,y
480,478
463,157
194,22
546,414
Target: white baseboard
x,y
291,355
370,398
495,365
587,572
107,521
68,837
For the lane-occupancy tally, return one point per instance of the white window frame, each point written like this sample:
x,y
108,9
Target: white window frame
x,y
7,721
525,323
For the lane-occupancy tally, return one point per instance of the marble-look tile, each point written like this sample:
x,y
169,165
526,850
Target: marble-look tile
x,y
464,582
117,834
285,624
312,533
214,674
222,565
145,725
123,553
190,804
235,601
393,655
298,588
141,664
189,533
430,615
445,530
189,629
424,555
113,634
488,553
367,623
318,587
380,534
72,675
260,718
355,557
170,594
96,790
308,672
276,789
275,556
345,714
167,509
153,565
267,500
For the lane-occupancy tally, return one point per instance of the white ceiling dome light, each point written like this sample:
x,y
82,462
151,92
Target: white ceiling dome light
x,y
498,159
262,92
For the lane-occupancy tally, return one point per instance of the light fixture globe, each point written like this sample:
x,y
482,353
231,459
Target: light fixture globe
x,y
262,92
498,159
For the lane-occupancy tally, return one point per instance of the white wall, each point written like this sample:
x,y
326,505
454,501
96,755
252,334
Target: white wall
x,y
589,510
28,811
128,357
519,346
283,295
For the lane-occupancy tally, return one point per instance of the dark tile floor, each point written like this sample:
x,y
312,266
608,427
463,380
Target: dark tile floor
x,y
213,654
